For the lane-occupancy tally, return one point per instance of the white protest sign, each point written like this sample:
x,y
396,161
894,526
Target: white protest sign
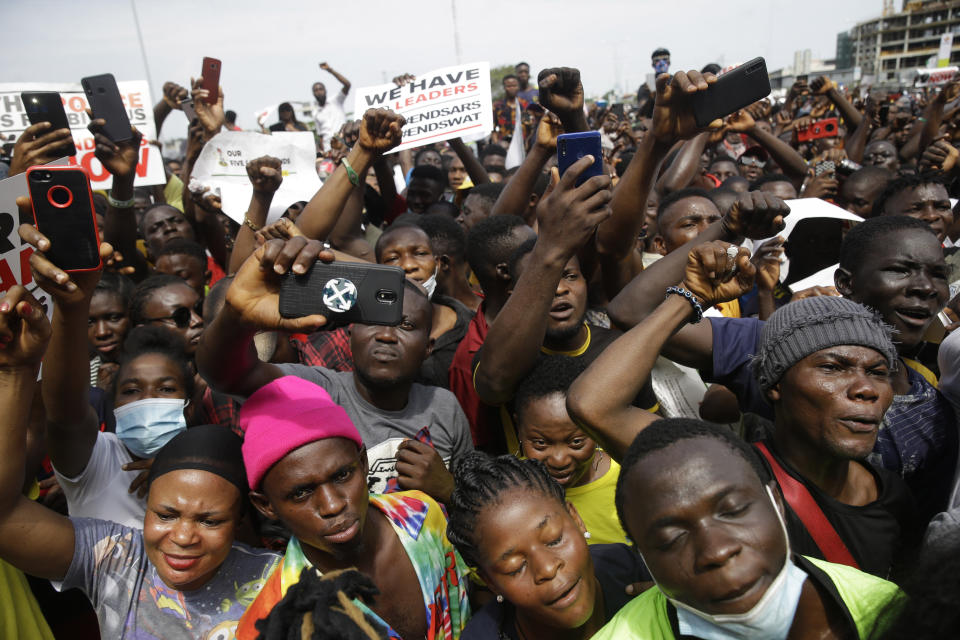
x,y
223,165
438,105
136,98
822,278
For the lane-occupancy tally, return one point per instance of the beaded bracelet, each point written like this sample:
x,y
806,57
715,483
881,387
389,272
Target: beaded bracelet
x,y
692,299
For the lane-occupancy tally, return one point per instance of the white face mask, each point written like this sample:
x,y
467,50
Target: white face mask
x,y
770,619
430,284
146,425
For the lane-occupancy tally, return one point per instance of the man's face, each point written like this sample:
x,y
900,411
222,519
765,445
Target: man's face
x,y
904,277
928,202
724,169
881,154
179,308
781,188
523,74
494,161
185,266
409,249
422,193
857,195
510,87
457,173
174,167
683,221
751,167
833,400
163,224
149,375
431,158
705,526
108,324
189,526
320,92
387,356
319,491
474,210
569,300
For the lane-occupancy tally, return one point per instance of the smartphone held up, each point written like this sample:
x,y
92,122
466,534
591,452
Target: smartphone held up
x,y
62,205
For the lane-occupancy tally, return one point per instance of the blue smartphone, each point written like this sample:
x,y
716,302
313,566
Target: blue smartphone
x,y
573,146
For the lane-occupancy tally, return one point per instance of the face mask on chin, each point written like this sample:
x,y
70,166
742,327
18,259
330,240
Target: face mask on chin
x,y
146,425
430,284
771,618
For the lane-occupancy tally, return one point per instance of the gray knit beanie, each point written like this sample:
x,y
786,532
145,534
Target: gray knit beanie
x,y
800,328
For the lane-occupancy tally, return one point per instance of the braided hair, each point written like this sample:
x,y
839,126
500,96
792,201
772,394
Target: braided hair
x,y
480,481
321,608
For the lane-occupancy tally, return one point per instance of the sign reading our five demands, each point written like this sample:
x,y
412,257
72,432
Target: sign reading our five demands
x,y
438,105
136,98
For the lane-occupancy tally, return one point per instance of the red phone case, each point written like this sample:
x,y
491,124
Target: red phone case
x,y
211,79
60,208
826,128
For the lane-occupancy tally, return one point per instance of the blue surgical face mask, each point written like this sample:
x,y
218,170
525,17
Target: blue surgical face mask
x,y
771,618
146,425
661,66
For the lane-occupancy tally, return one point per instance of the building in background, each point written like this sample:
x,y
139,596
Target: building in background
x,y
890,49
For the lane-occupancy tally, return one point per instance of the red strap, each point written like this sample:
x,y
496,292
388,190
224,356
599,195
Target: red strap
x,y
803,504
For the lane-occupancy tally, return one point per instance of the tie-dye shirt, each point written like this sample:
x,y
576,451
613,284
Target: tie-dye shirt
x,y
110,566
422,528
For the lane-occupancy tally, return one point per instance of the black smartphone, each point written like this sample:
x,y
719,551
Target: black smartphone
x,y
47,106
884,113
731,92
63,211
345,292
617,109
105,102
573,146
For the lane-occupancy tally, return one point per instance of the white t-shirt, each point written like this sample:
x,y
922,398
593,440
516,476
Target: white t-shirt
x,y
330,117
101,490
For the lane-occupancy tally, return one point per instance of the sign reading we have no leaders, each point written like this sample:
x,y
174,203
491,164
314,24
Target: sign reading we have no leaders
x,y
439,105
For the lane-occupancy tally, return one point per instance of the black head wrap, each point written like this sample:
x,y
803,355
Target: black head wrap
x,y
209,447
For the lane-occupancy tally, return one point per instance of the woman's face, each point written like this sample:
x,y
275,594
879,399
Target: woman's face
x,y
549,435
151,375
189,526
532,552
108,324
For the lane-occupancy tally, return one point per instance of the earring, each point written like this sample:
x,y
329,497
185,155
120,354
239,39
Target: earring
x,y
586,534
499,598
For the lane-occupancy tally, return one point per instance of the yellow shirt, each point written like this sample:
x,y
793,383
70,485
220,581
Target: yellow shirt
x,y
595,504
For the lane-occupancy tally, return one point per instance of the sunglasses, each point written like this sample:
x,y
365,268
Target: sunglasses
x,y
752,162
181,316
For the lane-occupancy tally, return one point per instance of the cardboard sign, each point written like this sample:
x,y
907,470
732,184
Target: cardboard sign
x,y
136,98
223,165
438,105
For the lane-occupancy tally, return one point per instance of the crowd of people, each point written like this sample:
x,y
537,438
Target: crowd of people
x,y
611,407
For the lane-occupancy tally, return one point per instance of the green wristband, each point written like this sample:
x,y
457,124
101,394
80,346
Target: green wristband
x,y
354,178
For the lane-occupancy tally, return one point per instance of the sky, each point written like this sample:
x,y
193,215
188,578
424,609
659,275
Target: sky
x,y
271,50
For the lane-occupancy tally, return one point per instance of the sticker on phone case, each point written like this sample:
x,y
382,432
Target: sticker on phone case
x,y
339,294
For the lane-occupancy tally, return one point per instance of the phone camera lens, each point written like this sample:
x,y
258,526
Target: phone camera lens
x,y
386,296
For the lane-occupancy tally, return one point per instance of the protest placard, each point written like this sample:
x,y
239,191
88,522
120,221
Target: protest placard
x,y
438,105
223,165
136,98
